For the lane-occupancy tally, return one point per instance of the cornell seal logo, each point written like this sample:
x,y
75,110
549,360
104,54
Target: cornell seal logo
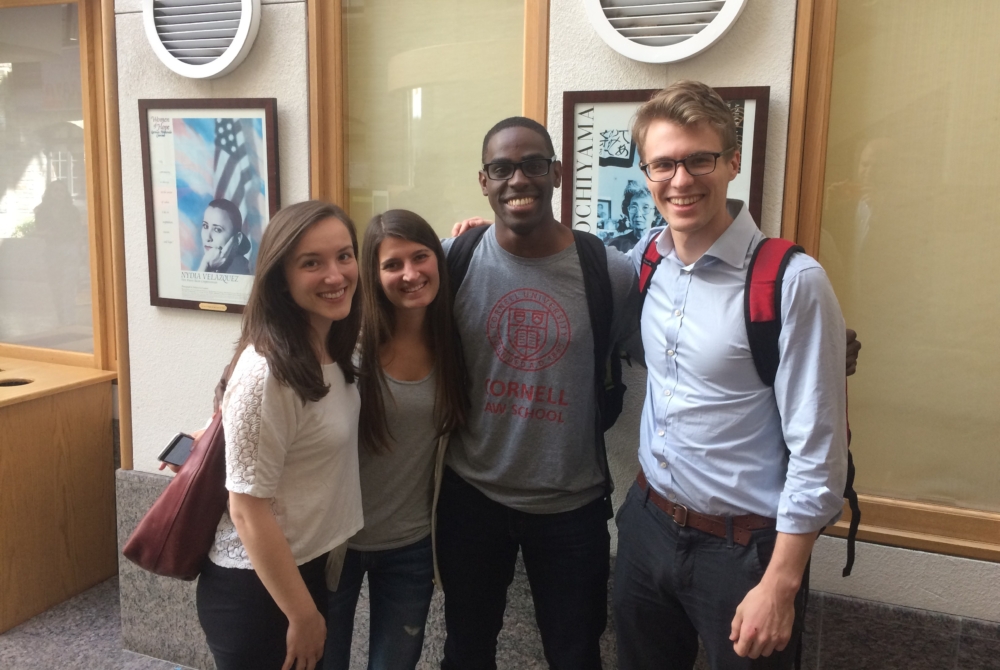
x,y
528,330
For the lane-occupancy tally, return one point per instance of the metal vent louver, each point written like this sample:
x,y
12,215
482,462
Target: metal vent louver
x,y
201,39
662,31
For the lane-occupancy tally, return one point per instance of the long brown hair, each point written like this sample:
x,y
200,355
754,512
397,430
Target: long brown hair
x,y
379,321
276,326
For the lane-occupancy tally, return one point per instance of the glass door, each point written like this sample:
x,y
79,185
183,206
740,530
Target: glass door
x,y
910,235
425,81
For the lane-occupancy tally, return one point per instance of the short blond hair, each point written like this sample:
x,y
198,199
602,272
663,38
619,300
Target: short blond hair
x,y
686,103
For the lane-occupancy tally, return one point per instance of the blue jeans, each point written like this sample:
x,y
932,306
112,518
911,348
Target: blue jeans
x,y
565,555
400,586
674,585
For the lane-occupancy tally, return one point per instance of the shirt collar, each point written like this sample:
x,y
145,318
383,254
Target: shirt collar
x,y
732,245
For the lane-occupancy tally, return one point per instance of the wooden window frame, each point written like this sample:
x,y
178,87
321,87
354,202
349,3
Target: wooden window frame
x,y
890,521
327,89
535,90
105,228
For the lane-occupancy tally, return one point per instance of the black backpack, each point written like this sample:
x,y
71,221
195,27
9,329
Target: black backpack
x,y
608,387
762,316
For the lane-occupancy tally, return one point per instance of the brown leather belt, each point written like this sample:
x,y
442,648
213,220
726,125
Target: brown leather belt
x,y
713,525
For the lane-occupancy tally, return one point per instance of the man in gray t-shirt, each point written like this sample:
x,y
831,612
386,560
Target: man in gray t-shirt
x,y
527,472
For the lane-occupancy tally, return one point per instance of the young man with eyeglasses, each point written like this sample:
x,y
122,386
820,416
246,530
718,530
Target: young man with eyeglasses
x,y
737,477
527,472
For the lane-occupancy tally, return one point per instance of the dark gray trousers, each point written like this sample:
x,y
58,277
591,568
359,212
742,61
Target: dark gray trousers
x,y
673,585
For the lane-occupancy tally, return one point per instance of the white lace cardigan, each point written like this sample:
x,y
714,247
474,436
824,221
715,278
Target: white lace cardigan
x,y
302,456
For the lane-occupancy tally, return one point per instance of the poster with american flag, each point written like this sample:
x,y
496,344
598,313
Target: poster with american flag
x,y
210,172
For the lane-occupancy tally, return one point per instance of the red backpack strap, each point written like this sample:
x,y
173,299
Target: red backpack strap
x,y
651,258
762,313
762,302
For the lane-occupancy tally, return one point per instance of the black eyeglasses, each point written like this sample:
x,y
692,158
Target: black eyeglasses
x,y
533,167
698,164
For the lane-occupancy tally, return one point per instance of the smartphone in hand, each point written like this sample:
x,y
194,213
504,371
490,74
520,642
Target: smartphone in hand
x,y
177,451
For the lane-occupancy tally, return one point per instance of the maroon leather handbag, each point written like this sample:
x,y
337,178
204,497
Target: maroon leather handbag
x,y
174,537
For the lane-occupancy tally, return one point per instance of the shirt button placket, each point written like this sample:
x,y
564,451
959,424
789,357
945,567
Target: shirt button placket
x,y
672,332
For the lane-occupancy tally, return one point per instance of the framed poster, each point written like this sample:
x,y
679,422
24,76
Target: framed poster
x,y
210,172
604,191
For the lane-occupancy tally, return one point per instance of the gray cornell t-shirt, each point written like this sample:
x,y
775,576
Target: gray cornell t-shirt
x,y
530,443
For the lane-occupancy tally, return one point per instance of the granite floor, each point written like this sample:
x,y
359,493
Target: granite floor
x,y
853,634
841,634
81,633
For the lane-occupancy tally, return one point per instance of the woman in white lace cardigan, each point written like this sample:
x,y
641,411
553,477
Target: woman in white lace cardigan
x,y
290,414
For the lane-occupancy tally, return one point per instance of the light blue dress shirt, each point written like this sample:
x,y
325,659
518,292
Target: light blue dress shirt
x,y
713,437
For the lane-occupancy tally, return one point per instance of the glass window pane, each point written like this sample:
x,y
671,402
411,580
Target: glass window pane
x,y
910,237
426,80
44,253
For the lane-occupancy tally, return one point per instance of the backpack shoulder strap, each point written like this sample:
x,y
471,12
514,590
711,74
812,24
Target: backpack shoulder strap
x,y
762,302
852,502
651,258
460,255
597,285
600,304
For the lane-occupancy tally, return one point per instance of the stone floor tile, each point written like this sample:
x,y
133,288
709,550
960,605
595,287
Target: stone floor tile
x,y
82,633
976,653
853,642
904,616
987,630
133,661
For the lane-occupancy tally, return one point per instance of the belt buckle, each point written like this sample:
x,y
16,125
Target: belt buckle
x,y
680,515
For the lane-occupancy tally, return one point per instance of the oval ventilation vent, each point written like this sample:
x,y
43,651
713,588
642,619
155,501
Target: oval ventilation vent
x,y
201,39
662,31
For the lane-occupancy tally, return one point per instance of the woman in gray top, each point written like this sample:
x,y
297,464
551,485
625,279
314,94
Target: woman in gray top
x,y
412,396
